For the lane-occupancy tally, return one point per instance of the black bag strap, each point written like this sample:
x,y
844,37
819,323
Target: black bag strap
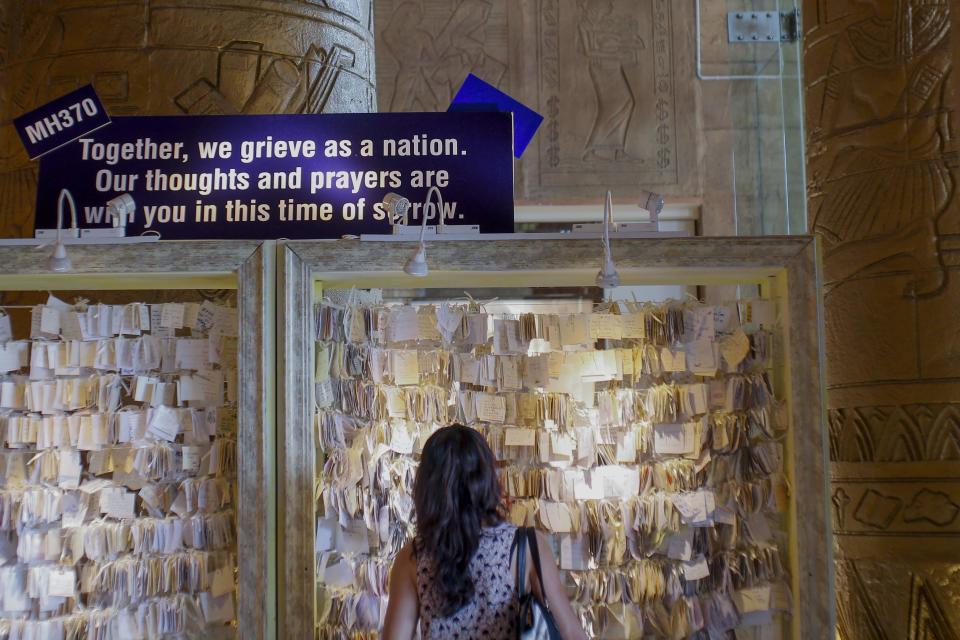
x,y
518,548
535,550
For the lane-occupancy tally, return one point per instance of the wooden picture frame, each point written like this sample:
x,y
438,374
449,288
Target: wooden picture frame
x,y
248,267
786,268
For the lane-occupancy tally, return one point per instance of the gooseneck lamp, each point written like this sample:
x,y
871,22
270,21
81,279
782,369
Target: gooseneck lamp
x,y
417,264
608,276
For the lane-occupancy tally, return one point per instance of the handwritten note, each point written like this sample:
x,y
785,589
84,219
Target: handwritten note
x,y
406,367
491,408
675,439
520,437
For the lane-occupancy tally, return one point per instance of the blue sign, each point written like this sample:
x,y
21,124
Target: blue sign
x,y
61,121
476,95
285,176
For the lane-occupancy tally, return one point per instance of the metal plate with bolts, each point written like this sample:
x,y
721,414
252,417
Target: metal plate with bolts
x,y
761,27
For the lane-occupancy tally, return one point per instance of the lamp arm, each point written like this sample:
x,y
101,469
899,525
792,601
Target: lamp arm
x,y
65,195
434,190
426,204
607,221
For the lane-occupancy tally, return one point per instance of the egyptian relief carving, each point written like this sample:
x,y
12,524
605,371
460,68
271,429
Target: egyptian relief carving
x,y
880,183
618,102
426,48
611,104
612,46
908,433
252,81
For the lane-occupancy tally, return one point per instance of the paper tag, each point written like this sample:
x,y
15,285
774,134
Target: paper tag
x,y
165,423
117,503
757,312
575,329
61,583
14,356
402,324
190,312
6,330
518,437
735,347
673,360
696,569
680,546
401,440
326,534
74,516
70,469
627,446
171,315
406,367
215,609
673,438
632,325
605,326
222,582
573,553
491,408
353,537
696,508
752,599
190,457
50,320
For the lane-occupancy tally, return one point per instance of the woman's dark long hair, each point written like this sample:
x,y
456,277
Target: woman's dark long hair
x,y
456,493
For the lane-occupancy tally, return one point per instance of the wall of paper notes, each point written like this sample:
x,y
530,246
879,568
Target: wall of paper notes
x,y
645,438
118,470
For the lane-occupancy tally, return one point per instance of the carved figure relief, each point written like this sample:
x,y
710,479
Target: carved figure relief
x,y
883,199
430,48
611,114
612,45
879,177
619,105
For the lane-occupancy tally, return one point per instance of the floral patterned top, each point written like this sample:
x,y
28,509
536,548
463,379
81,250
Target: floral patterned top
x,y
492,614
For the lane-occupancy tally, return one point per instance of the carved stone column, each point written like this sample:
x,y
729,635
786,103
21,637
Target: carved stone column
x,y
156,57
883,199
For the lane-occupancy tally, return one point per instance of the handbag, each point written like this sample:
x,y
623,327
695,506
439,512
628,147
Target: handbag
x,y
534,618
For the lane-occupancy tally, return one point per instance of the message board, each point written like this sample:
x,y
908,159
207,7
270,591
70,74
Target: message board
x,y
285,176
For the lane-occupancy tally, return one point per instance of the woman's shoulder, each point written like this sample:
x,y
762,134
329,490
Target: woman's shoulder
x,y
406,555
502,530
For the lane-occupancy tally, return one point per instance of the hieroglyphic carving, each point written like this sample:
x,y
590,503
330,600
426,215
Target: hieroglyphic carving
x,y
284,86
612,46
611,112
427,47
605,74
927,617
882,184
916,599
935,507
880,180
246,56
908,433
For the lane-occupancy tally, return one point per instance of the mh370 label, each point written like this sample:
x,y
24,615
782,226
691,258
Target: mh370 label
x,y
61,121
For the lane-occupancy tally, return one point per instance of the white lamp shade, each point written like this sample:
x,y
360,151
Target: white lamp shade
x,y
417,265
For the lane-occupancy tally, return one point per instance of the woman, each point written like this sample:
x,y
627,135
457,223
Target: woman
x,y
457,577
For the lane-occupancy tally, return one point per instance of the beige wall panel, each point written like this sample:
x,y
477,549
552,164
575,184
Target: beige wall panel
x,y
614,80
